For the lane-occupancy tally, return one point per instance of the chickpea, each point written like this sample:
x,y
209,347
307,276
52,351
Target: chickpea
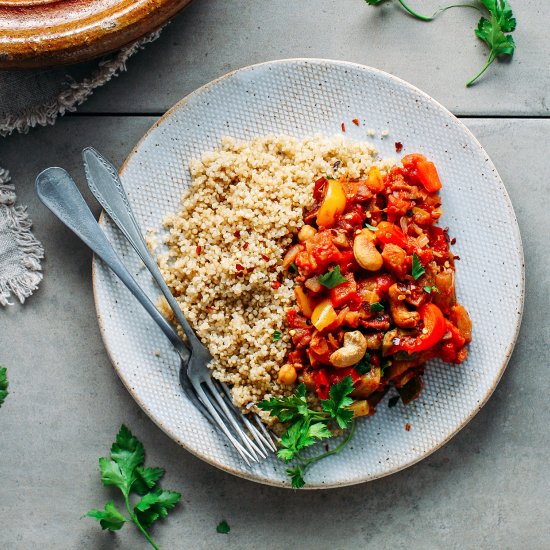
x,y
287,375
306,233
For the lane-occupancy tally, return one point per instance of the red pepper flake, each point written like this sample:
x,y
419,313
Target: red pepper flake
x,y
453,240
398,147
456,257
237,234
355,121
239,267
210,309
265,258
198,249
343,127
275,285
408,427
245,246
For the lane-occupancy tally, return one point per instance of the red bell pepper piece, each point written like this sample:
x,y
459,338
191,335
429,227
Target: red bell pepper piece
x,y
322,384
390,233
436,326
424,170
337,375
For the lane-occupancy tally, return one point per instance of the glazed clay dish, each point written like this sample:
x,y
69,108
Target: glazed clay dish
x,y
43,33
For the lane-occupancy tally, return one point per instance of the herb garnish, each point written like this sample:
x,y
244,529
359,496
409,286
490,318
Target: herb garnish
x,y
276,335
371,227
307,426
430,289
332,278
417,268
293,267
3,384
384,365
126,471
364,365
223,527
377,307
492,31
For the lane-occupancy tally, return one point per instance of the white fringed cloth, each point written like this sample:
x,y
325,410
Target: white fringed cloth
x,y
37,98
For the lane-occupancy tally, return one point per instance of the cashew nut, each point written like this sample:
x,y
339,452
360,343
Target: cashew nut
x,y
353,350
306,232
365,252
402,317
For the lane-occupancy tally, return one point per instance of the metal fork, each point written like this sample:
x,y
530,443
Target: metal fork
x,y
107,188
59,193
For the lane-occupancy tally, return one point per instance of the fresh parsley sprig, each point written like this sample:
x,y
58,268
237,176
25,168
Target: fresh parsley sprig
x,y
3,384
308,426
125,470
492,31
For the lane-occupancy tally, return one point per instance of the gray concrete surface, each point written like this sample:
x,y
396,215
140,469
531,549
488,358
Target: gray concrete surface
x,y
487,488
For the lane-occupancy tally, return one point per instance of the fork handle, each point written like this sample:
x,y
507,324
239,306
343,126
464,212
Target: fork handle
x,y
57,190
107,188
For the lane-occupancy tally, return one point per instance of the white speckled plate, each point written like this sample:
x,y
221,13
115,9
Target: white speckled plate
x,y
302,97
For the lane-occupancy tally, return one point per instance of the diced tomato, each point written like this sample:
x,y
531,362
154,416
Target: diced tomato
x,y
324,251
345,293
438,240
295,320
397,207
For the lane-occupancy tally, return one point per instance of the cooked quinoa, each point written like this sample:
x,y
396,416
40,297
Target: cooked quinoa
x,y
226,247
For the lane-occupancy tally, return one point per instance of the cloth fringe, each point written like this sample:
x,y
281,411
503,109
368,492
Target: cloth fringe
x,y
75,94
19,225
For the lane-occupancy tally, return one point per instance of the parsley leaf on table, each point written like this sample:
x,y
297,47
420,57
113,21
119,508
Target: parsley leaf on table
x,y
332,278
223,527
125,470
308,426
3,384
492,31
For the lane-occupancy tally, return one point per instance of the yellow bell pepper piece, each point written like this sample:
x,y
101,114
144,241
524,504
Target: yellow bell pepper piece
x,y
333,204
323,315
305,303
375,181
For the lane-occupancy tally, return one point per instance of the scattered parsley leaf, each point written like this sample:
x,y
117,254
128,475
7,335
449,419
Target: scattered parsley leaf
x,y
376,307
276,335
371,227
392,401
3,384
332,278
293,267
125,470
417,268
110,518
223,527
364,365
308,426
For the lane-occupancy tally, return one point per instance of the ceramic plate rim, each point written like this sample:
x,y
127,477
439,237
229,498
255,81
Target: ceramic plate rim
x,y
520,299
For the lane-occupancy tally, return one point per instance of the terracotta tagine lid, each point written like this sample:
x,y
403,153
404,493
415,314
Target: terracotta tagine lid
x,y
42,33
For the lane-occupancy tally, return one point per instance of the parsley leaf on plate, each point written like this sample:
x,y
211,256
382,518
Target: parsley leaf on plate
x,y
309,426
332,278
276,335
364,365
417,268
371,227
3,384
377,307
125,470
223,527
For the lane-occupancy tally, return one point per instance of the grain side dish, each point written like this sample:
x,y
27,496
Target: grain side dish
x,y
312,261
